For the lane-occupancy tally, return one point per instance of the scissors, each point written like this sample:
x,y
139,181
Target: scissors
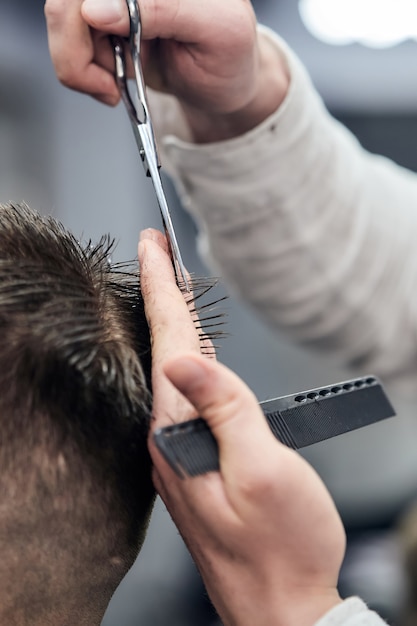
x,y
141,122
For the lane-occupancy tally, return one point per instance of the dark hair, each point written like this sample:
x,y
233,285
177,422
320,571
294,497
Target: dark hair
x,y
75,401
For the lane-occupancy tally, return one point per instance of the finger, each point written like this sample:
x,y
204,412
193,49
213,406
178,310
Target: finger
x,y
194,504
161,241
230,410
158,18
205,343
258,473
167,311
170,323
182,21
251,459
73,54
108,16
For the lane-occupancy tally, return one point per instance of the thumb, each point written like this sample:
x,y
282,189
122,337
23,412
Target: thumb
x,y
183,21
110,16
228,406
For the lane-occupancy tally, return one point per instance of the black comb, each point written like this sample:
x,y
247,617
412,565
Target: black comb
x,y
297,420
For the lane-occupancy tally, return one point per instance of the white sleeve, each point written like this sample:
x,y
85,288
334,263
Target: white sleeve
x,y
351,612
318,235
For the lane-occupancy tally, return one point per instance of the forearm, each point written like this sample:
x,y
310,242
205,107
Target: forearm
x,y
314,232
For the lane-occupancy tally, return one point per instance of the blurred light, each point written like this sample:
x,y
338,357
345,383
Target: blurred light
x,y
374,23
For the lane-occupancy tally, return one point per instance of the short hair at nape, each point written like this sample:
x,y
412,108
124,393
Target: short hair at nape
x,y
75,402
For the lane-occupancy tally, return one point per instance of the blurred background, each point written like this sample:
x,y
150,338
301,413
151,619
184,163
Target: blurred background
x,y
66,155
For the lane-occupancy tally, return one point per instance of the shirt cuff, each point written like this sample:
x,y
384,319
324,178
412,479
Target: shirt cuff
x,y
351,612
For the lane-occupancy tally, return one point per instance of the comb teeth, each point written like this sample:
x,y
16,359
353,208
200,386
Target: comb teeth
x,y
189,447
297,421
280,429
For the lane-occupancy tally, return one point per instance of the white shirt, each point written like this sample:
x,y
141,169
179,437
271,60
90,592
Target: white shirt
x,y
318,235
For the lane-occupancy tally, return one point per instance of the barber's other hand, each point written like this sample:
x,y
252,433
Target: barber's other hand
x,y
207,54
264,531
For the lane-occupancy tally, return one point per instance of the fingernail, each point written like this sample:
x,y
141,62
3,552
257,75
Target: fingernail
x,y
104,11
148,233
145,235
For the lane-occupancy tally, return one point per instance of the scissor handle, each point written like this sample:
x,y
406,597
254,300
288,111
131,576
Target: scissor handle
x,y
143,129
135,23
135,27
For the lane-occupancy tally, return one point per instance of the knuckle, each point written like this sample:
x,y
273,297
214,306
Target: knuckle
x,y
242,30
257,486
53,10
263,484
66,75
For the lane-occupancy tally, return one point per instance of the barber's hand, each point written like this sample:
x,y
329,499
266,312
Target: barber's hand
x,y
208,54
263,531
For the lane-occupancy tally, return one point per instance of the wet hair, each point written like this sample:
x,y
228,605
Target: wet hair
x,y
75,406
75,402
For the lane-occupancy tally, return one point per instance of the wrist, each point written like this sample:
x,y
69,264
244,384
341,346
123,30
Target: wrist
x,y
303,609
307,607
271,87
244,597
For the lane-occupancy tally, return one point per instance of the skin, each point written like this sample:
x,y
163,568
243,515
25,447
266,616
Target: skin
x,y
209,55
263,531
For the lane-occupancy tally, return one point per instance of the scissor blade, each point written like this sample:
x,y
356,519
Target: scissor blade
x,y
149,157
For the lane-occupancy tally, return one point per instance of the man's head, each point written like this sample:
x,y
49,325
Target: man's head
x,y
75,475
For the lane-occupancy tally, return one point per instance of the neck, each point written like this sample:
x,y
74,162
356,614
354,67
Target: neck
x,y
73,595
77,616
